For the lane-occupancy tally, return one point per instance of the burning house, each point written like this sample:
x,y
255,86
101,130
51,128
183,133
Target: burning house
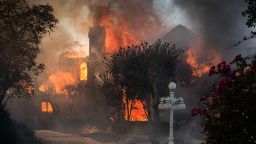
x,y
71,86
68,91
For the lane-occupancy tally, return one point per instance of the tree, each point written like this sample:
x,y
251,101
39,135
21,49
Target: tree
x,y
140,73
22,29
250,13
229,110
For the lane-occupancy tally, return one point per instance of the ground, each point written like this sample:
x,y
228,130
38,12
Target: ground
x,y
53,137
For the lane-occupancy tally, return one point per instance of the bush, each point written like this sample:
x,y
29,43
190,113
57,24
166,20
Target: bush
x,y
228,111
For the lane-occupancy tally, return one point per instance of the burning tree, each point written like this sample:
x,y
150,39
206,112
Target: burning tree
x,y
139,73
229,110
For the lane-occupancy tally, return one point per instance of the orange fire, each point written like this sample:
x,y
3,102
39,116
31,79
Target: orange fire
x,y
42,88
67,75
138,112
60,80
120,35
83,71
117,35
194,57
114,39
46,107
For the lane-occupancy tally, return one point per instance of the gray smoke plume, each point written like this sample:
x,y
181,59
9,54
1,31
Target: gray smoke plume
x,y
219,22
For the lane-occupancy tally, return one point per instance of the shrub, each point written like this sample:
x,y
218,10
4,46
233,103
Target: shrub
x,y
228,111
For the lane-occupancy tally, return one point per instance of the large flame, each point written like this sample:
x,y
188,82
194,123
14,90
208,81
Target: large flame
x,y
127,23
66,75
60,80
117,35
199,60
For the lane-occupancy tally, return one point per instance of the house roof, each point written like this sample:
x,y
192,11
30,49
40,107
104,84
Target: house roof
x,y
181,36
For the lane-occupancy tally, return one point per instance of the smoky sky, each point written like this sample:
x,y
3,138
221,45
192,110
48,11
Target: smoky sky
x,y
219,22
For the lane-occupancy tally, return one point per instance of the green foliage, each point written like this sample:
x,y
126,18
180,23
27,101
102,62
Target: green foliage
x,y
22,29
229,110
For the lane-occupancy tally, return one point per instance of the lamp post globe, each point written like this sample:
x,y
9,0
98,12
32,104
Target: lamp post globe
x,y
172,86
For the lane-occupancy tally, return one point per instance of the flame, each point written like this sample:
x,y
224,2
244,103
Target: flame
x,y
66,75
46,107
137,113
194,59
60,80
42,88
117,36
83,71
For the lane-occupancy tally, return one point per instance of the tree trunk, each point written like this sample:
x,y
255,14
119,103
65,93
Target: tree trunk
x,y
154,132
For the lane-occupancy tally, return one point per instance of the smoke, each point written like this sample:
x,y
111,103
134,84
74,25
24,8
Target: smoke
x,y
219,22
127,22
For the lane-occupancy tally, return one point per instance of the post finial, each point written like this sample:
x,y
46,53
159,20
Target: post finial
x,y
172,86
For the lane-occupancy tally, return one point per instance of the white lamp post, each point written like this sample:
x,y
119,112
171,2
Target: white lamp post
x,y
171,103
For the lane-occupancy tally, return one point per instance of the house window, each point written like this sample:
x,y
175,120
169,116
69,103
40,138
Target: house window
x,y
83,71
46,107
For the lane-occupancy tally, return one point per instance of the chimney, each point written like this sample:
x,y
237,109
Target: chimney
x,y
97,36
